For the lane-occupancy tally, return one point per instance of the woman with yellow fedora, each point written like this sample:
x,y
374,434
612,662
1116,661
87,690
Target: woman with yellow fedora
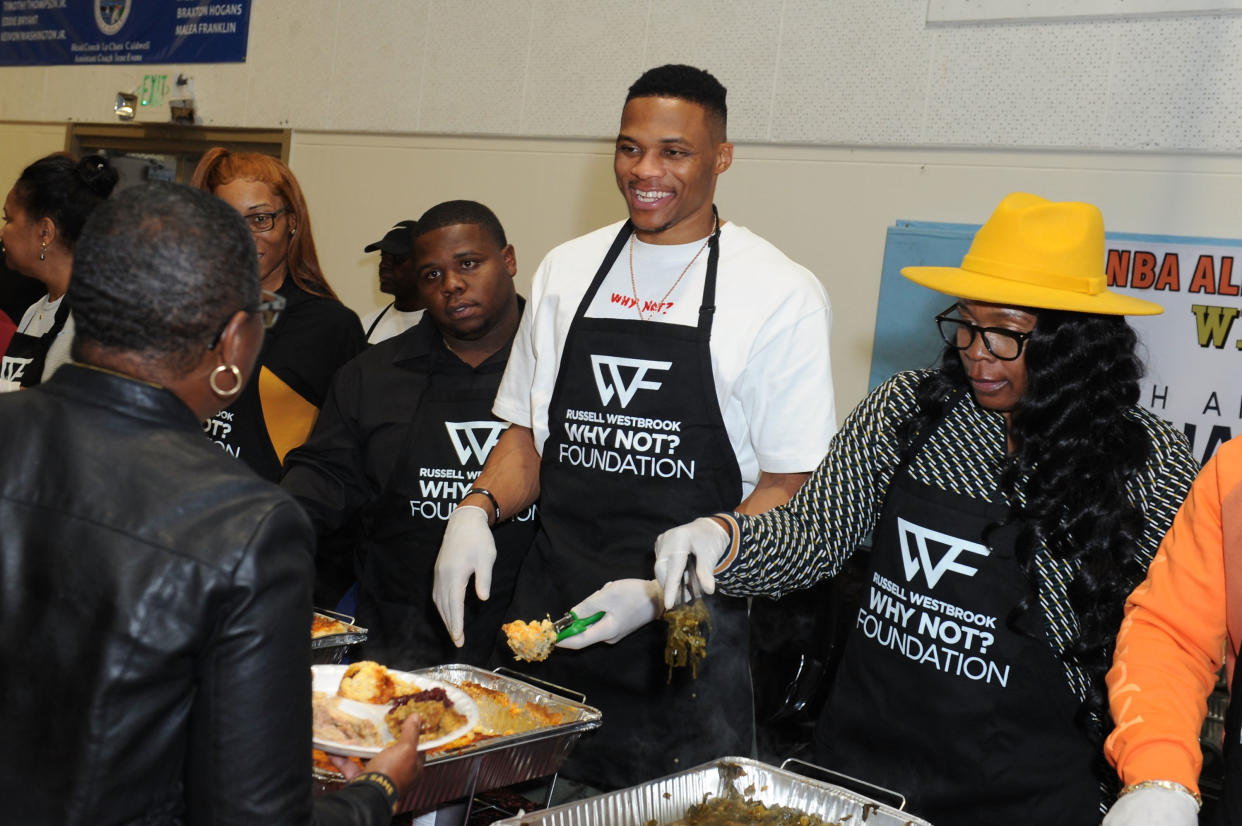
x,y
1014,497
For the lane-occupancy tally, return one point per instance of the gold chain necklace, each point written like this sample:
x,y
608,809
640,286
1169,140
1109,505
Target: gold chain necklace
x,y
634,282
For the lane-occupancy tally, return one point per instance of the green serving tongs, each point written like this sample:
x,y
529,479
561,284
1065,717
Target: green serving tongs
x,y
570,624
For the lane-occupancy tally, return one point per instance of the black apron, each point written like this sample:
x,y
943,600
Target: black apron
x,y
937,698
26,355
1228,809
450,436
235,430
636,445
241,429
301,354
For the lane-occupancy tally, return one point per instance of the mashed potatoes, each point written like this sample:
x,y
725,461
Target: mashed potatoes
x,y
370,682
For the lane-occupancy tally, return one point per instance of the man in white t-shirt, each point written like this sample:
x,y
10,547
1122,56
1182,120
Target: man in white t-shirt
x,y
667,367
396,277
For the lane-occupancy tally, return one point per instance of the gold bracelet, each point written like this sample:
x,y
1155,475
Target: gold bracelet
x,y
1161,784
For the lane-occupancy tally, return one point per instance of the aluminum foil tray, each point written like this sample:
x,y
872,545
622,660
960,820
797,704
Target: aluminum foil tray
x,y
330,649
525,747
665,800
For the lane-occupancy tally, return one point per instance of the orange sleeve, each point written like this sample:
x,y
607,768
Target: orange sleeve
x,y
1171,643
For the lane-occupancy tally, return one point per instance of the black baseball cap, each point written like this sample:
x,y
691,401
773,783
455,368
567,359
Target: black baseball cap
x,y
397,241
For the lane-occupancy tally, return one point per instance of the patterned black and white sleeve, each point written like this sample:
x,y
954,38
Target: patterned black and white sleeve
x,y
1163,485
814,534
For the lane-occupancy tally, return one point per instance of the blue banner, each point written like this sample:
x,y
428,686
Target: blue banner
x,y
95,32
905,335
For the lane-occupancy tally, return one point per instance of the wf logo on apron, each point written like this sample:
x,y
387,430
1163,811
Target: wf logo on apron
x,y
13,368
919,555
441,483
614,383
465,438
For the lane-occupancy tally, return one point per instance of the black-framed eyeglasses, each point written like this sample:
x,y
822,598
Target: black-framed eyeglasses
x,y
268,309
959,334
263,221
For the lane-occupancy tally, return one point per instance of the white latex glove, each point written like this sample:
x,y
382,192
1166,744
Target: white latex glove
x,y
467,550
705,539
1153,807
629,604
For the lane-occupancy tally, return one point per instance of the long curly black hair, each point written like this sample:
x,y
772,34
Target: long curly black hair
x,y
1075,452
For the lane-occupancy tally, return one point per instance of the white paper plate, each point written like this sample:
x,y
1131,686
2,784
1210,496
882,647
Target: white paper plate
x,y
327,678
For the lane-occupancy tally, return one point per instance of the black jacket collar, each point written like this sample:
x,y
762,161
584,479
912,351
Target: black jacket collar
x,y
133,397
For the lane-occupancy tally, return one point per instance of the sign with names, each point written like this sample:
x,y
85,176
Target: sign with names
x,y
103,32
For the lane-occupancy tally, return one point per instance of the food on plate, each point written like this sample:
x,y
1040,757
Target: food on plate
x,y
530,641
735,810
371,703
370,682
688,625
435,711
500,715
325,626
330,722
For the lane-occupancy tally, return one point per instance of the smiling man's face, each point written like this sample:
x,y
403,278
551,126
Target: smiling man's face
x,y
666,162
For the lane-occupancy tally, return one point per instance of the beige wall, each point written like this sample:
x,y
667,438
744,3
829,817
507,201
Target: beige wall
x,y
849,115
21,143
827,208
841,72
358,185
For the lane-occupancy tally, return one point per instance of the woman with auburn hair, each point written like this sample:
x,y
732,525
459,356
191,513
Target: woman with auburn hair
x,y
1014,496
44,213
316,333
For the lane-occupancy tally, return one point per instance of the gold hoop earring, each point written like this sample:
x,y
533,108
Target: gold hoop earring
x,y
43,252
215,375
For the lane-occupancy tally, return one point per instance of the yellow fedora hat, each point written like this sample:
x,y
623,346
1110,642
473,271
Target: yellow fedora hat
x,y
1036,253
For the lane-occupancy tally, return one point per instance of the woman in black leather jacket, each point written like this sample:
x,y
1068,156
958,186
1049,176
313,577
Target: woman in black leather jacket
x,y
155,602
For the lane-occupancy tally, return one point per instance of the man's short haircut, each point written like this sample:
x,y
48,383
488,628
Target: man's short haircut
x,y
448,213
158,271
675,80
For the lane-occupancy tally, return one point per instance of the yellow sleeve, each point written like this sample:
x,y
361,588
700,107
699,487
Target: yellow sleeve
x,y
1171,643
288,417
